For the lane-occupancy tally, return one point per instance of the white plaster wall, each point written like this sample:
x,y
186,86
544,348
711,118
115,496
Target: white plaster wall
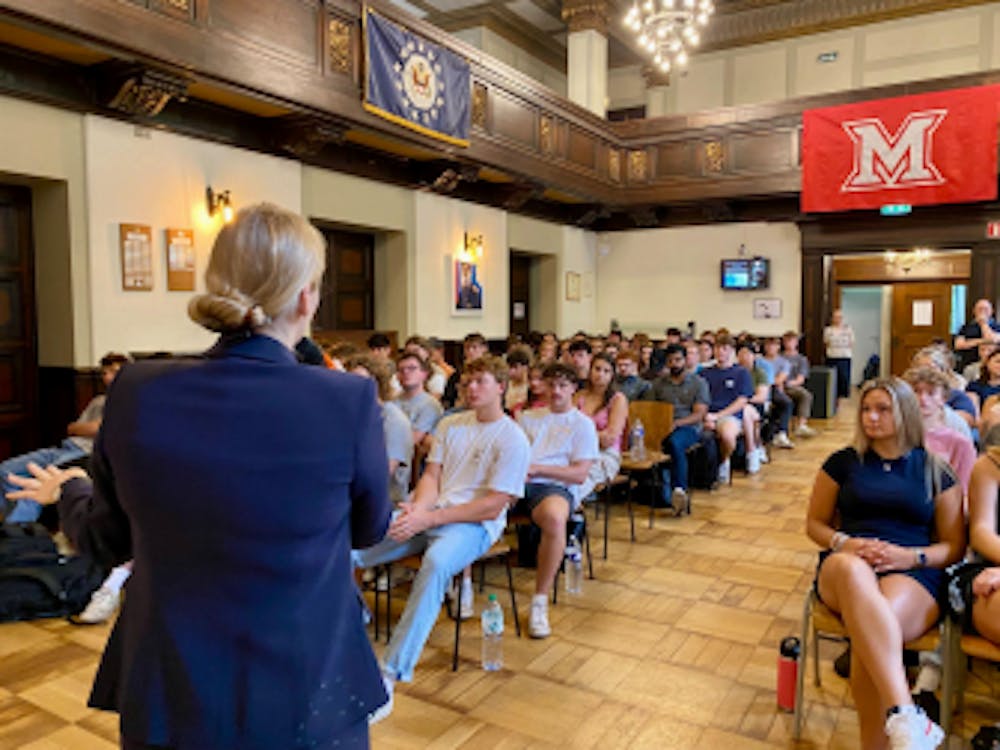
x,y
160,180
440,229
655,278
42,147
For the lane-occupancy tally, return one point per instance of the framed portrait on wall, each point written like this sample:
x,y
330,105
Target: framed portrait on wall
x,y
572,286
467,288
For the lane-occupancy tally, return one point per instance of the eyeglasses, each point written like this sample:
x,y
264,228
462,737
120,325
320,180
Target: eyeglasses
x,y
410,368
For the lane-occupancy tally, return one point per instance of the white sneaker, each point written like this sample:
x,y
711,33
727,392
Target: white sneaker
x,y
538,622
910,729
386,708
762,455
679,501
805,431
468,600
103,603
724,471
753,462
781,440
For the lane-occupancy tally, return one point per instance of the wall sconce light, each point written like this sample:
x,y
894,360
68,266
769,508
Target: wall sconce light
x,y
473,249
219,202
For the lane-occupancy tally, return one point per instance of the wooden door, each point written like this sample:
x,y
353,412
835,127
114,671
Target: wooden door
x,y
921,312
18,359
347,299
520,293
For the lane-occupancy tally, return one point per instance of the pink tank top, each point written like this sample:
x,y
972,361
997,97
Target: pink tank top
x,y
601,419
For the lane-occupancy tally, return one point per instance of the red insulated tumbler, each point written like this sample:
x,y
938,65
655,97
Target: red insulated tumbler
x,y
788,672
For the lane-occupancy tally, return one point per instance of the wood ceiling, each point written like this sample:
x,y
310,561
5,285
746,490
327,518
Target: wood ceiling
x,y
536,26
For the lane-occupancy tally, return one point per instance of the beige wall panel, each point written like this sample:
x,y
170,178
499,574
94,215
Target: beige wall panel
x,y
760,75
920,69
702,87
654,278
814,77
937,32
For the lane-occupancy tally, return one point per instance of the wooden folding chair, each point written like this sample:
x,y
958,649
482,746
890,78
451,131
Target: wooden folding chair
x,y
658,422
965,648
817,618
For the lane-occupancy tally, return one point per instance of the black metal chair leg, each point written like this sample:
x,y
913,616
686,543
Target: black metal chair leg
x,y
631,514
513,598
607,517
458,624
590,559
388,601
377,597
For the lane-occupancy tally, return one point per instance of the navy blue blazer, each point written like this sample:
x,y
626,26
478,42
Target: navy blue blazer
x,y
238,482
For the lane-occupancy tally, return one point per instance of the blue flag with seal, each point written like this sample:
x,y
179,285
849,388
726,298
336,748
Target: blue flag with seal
x,y
415,83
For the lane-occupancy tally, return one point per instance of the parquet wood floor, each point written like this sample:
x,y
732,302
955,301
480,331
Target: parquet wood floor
x,y
673,646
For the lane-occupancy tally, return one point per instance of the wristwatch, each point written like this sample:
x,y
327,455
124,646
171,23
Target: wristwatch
x,y
921,558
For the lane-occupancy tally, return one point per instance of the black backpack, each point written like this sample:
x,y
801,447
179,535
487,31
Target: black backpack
x,y
36,581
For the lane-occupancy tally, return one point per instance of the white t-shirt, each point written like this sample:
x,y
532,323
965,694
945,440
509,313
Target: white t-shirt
x,y
559,440
839,341
477,458
398,447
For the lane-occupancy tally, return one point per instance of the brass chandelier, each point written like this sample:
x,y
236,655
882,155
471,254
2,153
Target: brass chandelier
x,y
669,29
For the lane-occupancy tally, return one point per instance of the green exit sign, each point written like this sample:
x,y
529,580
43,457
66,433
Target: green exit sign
x,y
896,209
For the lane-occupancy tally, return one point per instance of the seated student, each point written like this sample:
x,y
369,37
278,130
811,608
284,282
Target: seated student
x,y
519,364
979,583
420,407
563,448
982,329
78,444
887,534
395,424
929,385
781,404
438,379
706,353
688,394
957,399
473,347
477,465
580,355
974,370
380,346
609,410
692,357
989,380
795,383
755,409
628,380
436,352
538,392
730,389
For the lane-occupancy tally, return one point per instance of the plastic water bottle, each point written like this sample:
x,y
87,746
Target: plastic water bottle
x,y
574,567
492,635
637,441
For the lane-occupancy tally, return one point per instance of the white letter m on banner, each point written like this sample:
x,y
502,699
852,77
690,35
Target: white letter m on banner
x,y
905,160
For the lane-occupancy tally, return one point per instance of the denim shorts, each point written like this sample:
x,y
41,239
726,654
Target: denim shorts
x,y
535,492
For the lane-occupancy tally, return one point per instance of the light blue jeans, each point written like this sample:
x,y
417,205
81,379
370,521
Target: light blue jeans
x,y
26,511
447,550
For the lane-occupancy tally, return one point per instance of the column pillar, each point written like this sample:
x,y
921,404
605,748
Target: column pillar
x,y
657,90
587,53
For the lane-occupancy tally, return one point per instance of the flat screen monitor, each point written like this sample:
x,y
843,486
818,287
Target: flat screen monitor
x,y
746,273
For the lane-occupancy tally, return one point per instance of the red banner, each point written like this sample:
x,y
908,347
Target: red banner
x,y
921,150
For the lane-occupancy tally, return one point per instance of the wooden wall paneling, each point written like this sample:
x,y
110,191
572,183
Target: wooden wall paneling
x,y
984,278
341,41
286,28
582,148
814,304
183,10
675,159
760,152
873,269
513,119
